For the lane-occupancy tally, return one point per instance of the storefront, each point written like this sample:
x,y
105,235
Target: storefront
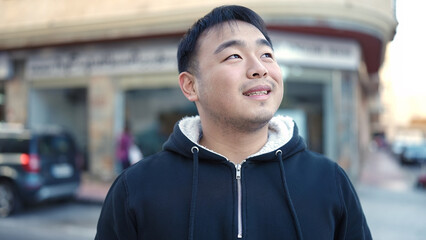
x,y
93,72
321,82
94,89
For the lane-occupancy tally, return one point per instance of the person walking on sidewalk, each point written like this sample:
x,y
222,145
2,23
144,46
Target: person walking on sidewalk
x,y
124,143
236,171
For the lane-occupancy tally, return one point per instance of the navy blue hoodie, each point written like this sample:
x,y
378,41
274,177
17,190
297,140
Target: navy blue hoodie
x,y
189,192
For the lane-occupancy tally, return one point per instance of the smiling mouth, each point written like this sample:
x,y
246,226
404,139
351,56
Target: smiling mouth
x,y
257,93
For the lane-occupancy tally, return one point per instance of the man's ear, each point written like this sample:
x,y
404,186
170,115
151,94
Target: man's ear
x,y
188,86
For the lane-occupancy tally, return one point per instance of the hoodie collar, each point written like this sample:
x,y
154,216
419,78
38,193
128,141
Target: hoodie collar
x,y
280,131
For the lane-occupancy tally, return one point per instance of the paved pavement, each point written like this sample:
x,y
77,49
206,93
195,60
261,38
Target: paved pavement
x,y
394,207
92,190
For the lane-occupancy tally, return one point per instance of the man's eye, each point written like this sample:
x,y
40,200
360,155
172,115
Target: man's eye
x,y
268,55
233,56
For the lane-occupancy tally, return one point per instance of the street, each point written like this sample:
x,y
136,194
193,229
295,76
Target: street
x,y
65,221
395,209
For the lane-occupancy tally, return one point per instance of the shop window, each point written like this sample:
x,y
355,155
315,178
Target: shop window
x,y
152,113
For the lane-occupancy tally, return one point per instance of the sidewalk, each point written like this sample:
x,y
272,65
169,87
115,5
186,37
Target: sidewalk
x,y
393,206
92,190
382,170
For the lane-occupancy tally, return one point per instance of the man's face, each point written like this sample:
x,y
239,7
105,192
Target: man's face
x,y
238,81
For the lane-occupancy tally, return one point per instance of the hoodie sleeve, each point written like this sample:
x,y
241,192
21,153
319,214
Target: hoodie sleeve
x,y
352,224
116,221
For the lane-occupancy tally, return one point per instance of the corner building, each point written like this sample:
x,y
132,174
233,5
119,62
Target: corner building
x,y
91,66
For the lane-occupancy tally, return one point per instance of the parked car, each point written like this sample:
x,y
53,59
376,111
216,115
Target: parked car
x,y
36,166
413,154
421,181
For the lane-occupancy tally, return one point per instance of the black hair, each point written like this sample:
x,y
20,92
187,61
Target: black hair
x,y
188,45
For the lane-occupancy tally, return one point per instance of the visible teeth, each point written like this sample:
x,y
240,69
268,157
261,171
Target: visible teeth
x,y
257,93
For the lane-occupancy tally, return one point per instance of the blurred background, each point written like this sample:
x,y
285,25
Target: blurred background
x,y
352,70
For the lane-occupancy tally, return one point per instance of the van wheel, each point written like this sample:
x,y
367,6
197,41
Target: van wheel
x,y
8,199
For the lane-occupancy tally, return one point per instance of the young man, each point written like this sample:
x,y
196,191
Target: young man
x,y
235,171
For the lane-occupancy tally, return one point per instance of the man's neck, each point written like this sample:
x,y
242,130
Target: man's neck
x,y
235,146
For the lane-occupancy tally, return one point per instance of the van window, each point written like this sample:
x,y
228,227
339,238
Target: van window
x,y
14,145
55,145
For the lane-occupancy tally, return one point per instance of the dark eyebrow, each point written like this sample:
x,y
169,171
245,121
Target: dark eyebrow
x,y
265,42
223,46
228,44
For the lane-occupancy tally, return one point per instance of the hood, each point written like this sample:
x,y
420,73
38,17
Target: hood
x,y
283,141
283,135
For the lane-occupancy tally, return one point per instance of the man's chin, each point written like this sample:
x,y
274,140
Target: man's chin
x,y
256,123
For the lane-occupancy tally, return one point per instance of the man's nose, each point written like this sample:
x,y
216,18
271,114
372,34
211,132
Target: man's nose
x,y
256,69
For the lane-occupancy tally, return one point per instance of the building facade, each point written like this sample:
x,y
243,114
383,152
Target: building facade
x,y
93,66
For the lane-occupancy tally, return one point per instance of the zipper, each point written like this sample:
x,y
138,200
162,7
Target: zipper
x,y
239,216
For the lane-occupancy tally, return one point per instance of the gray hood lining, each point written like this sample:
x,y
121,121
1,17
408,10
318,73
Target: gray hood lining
x,y
280,132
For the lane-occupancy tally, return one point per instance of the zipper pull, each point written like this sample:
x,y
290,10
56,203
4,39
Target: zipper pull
x,y
238,169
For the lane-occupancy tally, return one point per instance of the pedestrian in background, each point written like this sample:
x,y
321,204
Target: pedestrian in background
x,y
236,171
124,143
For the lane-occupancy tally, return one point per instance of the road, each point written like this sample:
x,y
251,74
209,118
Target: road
x,y
65,221
394,207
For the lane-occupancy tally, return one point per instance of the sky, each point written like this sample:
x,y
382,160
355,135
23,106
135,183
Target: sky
x,y
405,61
407,52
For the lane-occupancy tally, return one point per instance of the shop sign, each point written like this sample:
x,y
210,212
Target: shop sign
x,y
94,61
313,51
5,67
